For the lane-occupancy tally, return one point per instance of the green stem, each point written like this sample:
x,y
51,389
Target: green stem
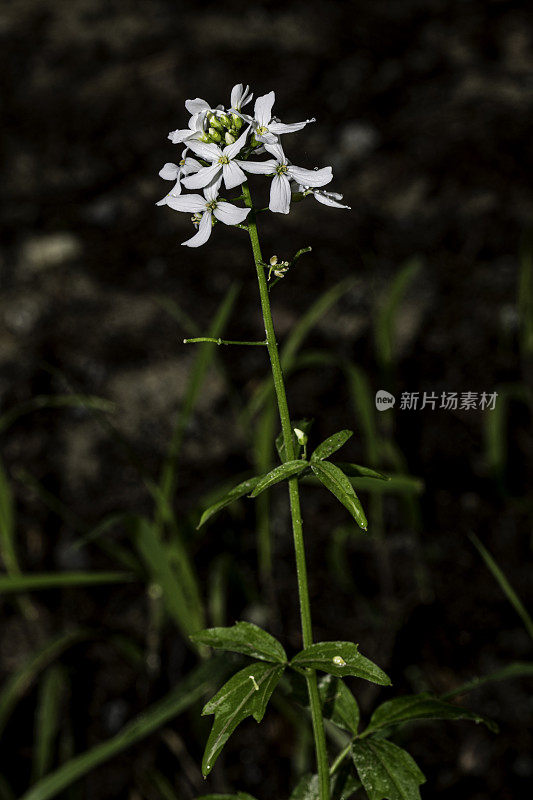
x,y
294,496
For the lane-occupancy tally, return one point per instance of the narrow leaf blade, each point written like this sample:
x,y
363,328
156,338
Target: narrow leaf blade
x,y
331,445
357,471
419,707
281,473
246,638
387,772
340,659
234,494
338,484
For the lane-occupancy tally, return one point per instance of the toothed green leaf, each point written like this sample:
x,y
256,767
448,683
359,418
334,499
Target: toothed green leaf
x,y
418,707
245,694
386,771
340,659
246,638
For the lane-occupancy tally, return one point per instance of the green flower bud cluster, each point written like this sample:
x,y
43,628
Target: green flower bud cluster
x,y
222,128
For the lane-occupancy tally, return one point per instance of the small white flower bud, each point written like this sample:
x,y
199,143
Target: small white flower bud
x,y
273,261
215,135
301,438
228,138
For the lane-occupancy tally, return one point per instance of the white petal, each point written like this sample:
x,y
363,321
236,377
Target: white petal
x,y
196,122
191,165
236,95
193,203
263,108
178,136
311,177
276,150
203,177
211,191
204,232
327,199
247,97
196,105
258,167
281,127
229,214
280,195
206,150
233,175
176,189
266,138
232,150
169,172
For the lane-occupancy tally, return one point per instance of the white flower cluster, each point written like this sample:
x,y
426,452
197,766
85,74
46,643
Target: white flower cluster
x,y
223,141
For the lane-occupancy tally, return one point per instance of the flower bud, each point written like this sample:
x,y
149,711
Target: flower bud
x,y
237,121
228,138
215,135
301,438
225,120
273,261
215,123
254,142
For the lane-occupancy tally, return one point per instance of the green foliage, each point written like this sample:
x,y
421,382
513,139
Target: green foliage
x,y
54,580
48,719
245,694
338,484
180,589
331,445
281,473
340,659
387,772
504,584
419,707
190,689
303,425
342,787
238,491
245,638
385,325
338,703
238,796
357,471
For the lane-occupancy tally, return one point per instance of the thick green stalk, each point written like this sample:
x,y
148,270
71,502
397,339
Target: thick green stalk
x,y
294,496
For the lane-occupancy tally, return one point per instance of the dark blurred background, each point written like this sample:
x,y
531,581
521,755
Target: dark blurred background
x,y
424,111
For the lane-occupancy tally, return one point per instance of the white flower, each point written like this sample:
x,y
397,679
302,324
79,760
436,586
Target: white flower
x,y
223,164
195,130
283,172
266,128
327,198
175,172
204,208
240,96
198,105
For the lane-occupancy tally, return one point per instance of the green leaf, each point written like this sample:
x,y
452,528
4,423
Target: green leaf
x,y
338,703
340,659
518,669
418,707
48,720
505,586
56,580
180,589
387,772
245,694
336,481
342,786
21,680
282,473
246,638
331,445
188,691
357,471
234,494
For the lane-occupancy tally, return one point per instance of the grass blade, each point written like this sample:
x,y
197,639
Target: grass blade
x,y
191,689
48,720
42,401
57,580
504,584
